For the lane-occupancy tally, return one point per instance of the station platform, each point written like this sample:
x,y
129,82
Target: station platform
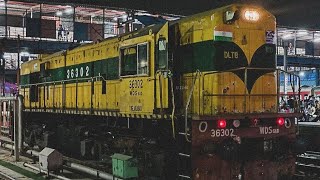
x,y
309,132
308,124
15,170
309,128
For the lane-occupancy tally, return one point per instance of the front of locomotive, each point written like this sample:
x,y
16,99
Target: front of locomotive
x,y
245,128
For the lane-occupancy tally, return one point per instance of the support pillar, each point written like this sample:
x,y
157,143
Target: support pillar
x,y
6,17
285,48
317,76
16,131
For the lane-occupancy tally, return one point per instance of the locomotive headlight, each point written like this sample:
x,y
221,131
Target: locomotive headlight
x,y
251,15
236,123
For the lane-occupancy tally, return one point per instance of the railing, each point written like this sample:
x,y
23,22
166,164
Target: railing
x,y
63,88
167,74
248,100
66,36
198,73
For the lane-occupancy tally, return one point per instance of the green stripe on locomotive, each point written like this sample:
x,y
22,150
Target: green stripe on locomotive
x,y
107,68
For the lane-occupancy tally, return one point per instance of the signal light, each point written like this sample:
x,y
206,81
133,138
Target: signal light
x,y
280,121
222,123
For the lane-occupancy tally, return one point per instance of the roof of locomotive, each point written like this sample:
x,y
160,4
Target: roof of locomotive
x,y
210,12
59,53
155,28
141,32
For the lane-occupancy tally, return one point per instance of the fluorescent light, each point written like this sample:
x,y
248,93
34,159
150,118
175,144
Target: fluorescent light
x,y
287,36
124,16
69,11
301,74
59,13
25,54
302,32
7,56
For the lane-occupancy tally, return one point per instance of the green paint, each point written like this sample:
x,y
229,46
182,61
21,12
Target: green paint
x,y
109,68
209,56
222,56
24,79
21,170
222,38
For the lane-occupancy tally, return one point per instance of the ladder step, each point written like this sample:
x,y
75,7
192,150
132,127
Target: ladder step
x,y
184,176
185,155
182,133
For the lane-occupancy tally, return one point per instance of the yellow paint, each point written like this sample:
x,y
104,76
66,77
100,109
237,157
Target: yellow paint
x,y
224,92
145,100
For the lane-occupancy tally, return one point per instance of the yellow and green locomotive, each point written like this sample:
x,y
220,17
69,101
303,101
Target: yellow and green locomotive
x,y
196,98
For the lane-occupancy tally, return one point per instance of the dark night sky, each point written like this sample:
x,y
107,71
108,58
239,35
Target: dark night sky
x,y
297,13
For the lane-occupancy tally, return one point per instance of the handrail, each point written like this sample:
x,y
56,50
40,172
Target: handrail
x,y
187,106
63,81
161,72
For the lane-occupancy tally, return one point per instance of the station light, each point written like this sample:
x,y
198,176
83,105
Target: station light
x,y
301,74
287,36
302,32
125,16
222,123
25,53
69,10
59,13
280,121
251,15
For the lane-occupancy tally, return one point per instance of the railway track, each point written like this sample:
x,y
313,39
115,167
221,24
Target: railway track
x,y
308,165
4,176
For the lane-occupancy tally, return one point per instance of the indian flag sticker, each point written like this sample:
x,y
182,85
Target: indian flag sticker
x,y
222,36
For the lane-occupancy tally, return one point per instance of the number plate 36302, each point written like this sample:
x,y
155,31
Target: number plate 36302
x,y
222,132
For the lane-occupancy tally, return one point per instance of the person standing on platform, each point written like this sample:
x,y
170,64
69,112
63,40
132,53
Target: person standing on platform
x,y
60,31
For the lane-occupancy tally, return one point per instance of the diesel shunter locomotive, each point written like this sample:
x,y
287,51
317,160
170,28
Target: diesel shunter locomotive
x,y
195,98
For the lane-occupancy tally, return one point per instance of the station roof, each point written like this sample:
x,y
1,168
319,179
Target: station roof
x,y
296,13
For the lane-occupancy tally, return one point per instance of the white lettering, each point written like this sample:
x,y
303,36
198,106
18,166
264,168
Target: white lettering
x,y
81,72
203,126
87,70
268,130
222,132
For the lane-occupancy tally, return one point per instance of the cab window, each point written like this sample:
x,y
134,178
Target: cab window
x,y
162,54
134,60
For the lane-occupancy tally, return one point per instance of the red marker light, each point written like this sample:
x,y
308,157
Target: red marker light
x,y
280,121
222,123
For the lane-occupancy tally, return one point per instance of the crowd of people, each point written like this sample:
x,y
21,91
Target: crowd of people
x,y
309,107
